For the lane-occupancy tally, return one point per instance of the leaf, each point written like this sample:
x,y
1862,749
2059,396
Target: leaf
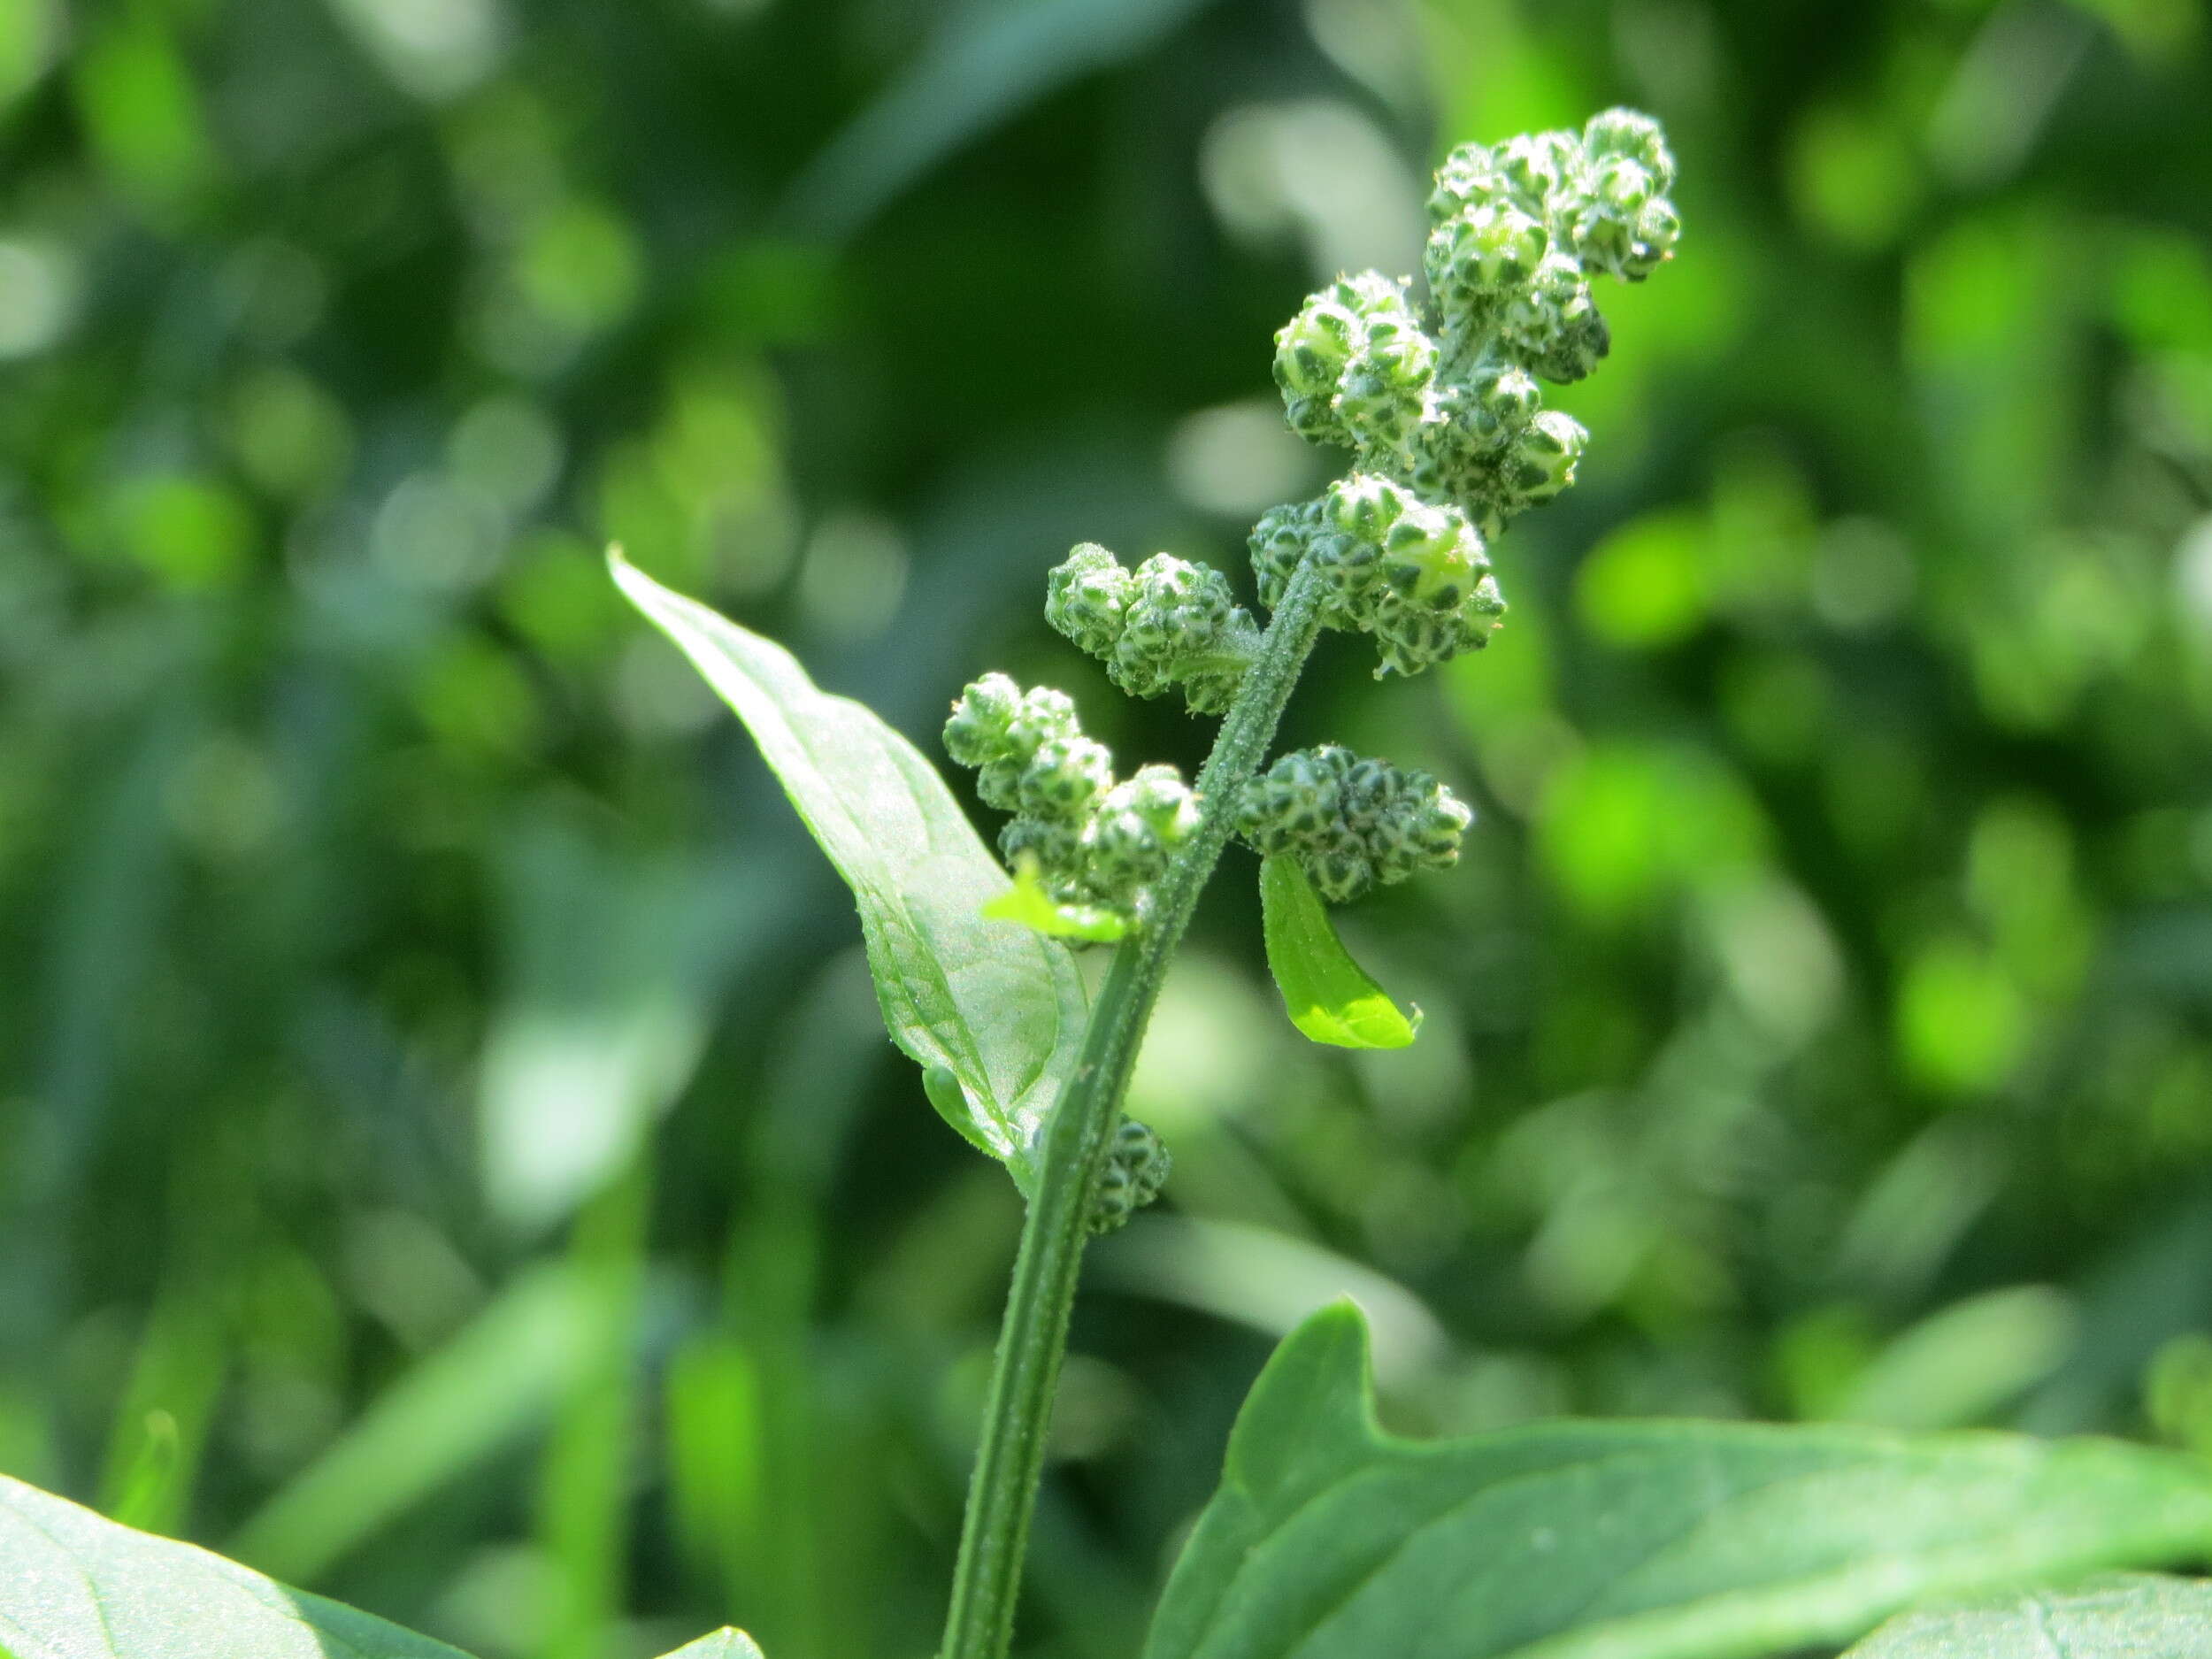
x,y
726,1643
1001,1008
73,1585
2128,1615
1625,1541
1027,903
1328,996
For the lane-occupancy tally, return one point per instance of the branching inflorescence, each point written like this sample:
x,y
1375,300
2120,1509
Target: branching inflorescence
x,y
1442,410
1437,402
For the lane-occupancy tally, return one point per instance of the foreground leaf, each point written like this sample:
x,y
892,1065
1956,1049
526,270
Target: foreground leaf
x,y
999,1009
1328,996
2130,1616
1626,1540
73,1585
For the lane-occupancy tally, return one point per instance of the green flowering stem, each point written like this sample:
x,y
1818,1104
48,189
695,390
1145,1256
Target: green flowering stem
x,y
1034,1334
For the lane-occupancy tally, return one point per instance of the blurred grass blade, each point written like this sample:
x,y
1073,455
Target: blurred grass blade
x,y
1627,1539
499,1377
1000,1008
990,59
75,1586
2128,1615
1328,996
614,963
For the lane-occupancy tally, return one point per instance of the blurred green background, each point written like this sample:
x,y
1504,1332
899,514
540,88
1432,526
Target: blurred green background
x,y
450,1157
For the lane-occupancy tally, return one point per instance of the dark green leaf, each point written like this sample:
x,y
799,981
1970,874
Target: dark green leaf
x,y
1001,1008
2129,1616
1629,1541
1328,996
74,1585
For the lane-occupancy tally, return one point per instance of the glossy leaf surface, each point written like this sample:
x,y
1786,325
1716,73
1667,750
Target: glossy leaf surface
x,y
2129,1616
75,1585
1000,1009
1329,997
1626,1540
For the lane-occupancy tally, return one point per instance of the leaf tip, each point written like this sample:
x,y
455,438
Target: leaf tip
x,y
1317,1393
726,1643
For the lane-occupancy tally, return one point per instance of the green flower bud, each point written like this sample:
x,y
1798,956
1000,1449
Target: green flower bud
x,y
1277,542
1411,637
1057,849
1063,778
1366,505
1485,252
1553,326
1086,596
1624,226
1313,346
1351,823
1042,715
1137,1167
1432,556
1294,802
1134,832
1182,624
1634,136
1469,178
1544,457
1539,167
976,734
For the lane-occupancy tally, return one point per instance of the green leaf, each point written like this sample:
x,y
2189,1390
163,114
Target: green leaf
x,y
1000,1009
73,1585
1329,997
2128,1615
1028,903
725,1643
1626,1540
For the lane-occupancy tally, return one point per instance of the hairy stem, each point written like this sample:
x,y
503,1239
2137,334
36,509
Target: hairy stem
x,y
1034,1333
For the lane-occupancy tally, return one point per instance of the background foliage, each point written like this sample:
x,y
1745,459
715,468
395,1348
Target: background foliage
x,y
449,1149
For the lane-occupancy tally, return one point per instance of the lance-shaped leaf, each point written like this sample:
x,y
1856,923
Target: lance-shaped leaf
x,y
999,1010
1626,1540
1328,996
74,1585
2128,1615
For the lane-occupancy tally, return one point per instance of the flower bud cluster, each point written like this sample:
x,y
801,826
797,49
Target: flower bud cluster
x,y
1351,823
1414,573
1168,622
1137,1167
1454,420
1094,841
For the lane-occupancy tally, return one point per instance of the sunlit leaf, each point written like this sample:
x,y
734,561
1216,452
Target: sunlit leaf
x,y
1630,1540
1328,996
1001,1008
73,1585
2129,1616
1027,903
725,1643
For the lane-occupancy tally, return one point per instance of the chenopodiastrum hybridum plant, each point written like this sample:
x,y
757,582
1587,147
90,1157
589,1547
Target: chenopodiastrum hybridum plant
x,y
1564,1539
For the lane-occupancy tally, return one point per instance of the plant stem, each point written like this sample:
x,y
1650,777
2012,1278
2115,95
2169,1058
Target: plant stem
x,y
1033,1336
